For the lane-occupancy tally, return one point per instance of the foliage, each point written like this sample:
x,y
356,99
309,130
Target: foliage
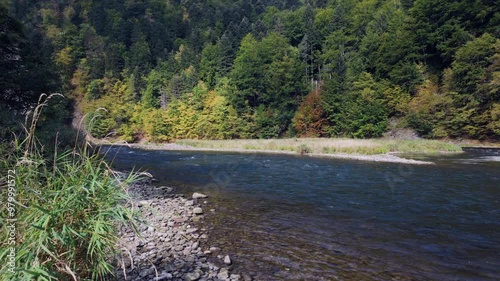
x,y
309,120
360,112
267,77
67,212
303,149
371,60
427,109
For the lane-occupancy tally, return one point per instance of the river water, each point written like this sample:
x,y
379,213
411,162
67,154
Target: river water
x,y
285,217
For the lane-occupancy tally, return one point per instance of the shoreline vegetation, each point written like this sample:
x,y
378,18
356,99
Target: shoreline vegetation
x,y
376,150
62,213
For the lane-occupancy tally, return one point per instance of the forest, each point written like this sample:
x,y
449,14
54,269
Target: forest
x,y
162,70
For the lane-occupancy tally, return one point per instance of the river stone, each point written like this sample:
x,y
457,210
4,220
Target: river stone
x,y
223,274
198,195
227,260
198,211
147,272
164,276
180,219
166,188
192,276
191,230
142,203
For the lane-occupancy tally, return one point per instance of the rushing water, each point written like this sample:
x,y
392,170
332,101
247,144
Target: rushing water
x,y
285,217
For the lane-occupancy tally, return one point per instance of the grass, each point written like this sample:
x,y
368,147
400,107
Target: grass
x,y
67,210
425,146
328,146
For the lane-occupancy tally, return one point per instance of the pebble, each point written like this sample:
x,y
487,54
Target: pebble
x,y
142,203
170,240
192,276
191,230
198,211
223,274
163,276
198,195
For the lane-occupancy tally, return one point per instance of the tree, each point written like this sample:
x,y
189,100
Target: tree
x,y
155,85
12,40
26,66
358,112
429,111
268,76
226,53
309,120
247,75
140,56
441,27
471,69
473,85
209,65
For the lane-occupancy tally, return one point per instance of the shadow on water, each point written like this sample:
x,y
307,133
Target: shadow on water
x,y
299,218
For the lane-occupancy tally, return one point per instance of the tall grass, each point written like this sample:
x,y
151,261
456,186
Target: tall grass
x,y
426,146
67,210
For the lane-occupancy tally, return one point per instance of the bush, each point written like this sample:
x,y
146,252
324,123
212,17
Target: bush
x,y
303,149
68,210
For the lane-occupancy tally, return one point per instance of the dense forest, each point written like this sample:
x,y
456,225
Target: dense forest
x,y
161,70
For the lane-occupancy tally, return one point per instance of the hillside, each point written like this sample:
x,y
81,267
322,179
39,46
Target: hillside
x,y
166,70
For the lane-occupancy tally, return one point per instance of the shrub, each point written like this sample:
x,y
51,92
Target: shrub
x,y
303,149
68,210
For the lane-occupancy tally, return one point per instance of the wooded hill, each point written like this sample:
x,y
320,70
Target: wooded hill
x,y
220,69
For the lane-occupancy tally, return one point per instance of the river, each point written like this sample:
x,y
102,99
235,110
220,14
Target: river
x,y
286,217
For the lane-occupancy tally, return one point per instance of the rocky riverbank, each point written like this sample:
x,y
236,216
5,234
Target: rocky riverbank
x,y
172,241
